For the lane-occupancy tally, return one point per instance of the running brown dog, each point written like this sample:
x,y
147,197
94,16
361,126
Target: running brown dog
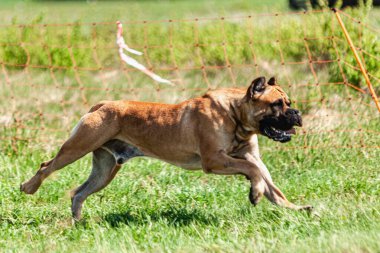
x,y
216,132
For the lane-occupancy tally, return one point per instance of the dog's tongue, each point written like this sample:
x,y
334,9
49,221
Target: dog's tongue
x,y
291,131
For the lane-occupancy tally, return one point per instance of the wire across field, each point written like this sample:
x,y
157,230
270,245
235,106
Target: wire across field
x,y
62,69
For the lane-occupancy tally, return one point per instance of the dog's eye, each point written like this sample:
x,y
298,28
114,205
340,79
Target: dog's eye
x,y
277,103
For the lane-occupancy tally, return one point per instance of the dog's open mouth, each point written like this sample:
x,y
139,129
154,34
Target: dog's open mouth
x,y
280,128
277,134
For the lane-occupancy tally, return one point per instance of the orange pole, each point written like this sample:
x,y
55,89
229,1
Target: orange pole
x,y
363,70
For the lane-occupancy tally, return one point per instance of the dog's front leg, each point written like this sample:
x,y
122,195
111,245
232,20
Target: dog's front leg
x,y
271,192
221,163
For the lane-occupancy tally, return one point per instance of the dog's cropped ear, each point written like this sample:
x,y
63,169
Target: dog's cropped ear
x,y
272,81
257,86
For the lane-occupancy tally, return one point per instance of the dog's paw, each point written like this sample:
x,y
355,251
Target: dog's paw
x,y
254,196
27,189
31,186
310,211
307,208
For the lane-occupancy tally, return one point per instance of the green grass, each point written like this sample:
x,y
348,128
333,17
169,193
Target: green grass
x,y
152,206
155,207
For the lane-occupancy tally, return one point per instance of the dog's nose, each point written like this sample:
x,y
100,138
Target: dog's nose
x,y
292,111
299,121
294,116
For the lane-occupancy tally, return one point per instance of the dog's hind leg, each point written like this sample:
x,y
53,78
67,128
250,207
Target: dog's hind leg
x,y
104,169
106,162
93,130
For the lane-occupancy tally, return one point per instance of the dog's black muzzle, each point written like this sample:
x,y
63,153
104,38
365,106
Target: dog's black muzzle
x,y
281,128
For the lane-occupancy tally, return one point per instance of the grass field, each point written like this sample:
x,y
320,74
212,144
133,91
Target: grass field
x,y
155,207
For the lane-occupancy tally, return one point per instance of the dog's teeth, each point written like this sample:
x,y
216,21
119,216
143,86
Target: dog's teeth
x,y
291,131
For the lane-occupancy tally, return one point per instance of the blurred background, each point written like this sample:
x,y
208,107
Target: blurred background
x,y
62,57
17,11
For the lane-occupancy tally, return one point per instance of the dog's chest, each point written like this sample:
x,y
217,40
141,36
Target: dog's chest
x,y
238,147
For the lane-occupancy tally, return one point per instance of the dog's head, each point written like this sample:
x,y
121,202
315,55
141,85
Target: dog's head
x,y
268,108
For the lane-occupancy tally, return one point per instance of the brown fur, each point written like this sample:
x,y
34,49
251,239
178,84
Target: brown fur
x,y
216,132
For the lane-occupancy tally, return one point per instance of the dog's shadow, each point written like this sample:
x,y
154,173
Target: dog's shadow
x,y
172,216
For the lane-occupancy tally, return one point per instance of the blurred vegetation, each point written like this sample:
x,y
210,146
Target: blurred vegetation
x,y
315,4
259,45
242,39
